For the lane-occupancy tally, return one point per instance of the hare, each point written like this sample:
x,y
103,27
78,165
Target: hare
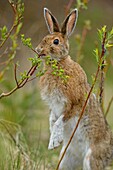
x,y
92,145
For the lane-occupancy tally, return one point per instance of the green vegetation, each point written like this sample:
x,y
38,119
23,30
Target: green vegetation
x,y
24,129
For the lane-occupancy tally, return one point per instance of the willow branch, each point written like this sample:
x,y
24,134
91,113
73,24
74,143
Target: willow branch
x,y
8,34
29,74
102,78
15,74
85,104
22,83
13,26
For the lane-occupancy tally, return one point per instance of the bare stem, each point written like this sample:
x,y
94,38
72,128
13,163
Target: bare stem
x,y
8,34
84,33
102,78
15,70
8,93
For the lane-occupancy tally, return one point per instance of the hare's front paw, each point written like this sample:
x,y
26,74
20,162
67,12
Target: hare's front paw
x,y
56,138
57,134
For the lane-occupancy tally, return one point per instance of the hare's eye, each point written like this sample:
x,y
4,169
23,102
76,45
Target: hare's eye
x,y
56,41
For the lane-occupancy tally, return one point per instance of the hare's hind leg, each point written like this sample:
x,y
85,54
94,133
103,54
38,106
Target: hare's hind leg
x,y
69,163
72,159
87,160
93,159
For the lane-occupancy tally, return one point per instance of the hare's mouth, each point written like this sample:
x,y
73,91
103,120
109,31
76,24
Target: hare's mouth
x,y
42,55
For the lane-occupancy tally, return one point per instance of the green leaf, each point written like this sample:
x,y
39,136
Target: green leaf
x,y
61,70
88,24
35,61
54,73
40,73
104,28
18,28
100,34
26,41
109,45
24,76
3,32
96,53
81,4
54,66
110,34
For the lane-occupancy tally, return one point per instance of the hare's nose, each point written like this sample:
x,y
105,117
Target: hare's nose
x,y
38,50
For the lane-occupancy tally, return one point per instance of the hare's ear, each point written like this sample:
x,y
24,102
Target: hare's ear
x,y
69,23
51,21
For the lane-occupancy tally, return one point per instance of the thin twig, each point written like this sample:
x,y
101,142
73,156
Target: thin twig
x,y
7,61
3,63
34,50
21,84
8,34
8,93
30,73
4,53
68,6
109,105
32,79
85,104
12,6
24,81
102,78
15,74
84,33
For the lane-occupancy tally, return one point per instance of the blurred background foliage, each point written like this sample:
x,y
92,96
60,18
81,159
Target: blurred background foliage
x,y
23,115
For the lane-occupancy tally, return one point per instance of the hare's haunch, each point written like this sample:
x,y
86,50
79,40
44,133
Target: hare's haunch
x,y
92,145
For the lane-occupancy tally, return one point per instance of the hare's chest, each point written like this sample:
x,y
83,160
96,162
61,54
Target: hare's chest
x,y
55,99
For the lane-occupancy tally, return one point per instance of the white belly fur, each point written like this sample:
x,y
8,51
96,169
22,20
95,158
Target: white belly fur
x,y
55,100
78,147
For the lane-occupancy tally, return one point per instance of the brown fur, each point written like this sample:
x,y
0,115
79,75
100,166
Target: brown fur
x,y
94,126
74,89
